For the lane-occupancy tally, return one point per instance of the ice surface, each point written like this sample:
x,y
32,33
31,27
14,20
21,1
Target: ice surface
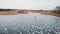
x,y
29,24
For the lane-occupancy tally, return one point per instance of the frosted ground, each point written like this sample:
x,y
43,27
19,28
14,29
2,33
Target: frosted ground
x,y
29,24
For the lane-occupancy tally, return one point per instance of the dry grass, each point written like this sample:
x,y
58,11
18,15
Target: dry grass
x,y
27,12
50,13
8,13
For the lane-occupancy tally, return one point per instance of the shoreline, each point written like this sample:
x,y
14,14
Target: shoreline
x,y
27,12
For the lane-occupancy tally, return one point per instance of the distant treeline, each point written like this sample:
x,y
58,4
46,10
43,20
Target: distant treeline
x,y
57,9
5,9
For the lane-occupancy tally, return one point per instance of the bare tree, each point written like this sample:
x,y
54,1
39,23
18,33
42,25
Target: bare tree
x,y
57,9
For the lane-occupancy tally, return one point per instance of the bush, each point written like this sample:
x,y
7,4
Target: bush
x,y
57,9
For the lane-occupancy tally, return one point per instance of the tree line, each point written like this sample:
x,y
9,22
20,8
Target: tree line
x,y
5,9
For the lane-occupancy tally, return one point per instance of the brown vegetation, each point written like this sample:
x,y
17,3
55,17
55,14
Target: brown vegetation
x,y
8,13
14,12
50,13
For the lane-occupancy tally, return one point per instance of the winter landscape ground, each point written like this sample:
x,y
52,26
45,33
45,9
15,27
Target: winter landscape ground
x,y
29,22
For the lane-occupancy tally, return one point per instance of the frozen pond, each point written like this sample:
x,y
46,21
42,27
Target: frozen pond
x,y
29,24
